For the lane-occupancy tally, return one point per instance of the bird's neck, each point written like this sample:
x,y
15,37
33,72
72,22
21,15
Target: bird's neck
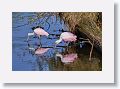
x,y
32,49
31,34
59,55
58,41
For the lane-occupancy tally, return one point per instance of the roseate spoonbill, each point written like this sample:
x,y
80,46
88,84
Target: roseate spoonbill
x,y
67,58
67,37
39,51
39,31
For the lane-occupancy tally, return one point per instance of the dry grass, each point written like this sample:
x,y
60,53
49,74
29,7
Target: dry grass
x,y
89,23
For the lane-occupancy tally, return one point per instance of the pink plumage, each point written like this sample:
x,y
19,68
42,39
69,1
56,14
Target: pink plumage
x,y
69,57
41,51
68,36
40,32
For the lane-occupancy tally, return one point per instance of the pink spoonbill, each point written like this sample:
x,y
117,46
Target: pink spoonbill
x,y
67,37
39,31
68,58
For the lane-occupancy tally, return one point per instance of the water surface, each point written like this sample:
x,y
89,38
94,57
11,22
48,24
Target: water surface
x,y
53,59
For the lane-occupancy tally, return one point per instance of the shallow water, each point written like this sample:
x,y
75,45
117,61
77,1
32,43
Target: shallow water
x,y
74,57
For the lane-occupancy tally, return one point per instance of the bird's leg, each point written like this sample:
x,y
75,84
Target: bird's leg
x,y
67,46
55,46
27,38
28,44
40,41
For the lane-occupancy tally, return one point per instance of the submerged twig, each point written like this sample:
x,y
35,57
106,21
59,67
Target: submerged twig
x,y
92,44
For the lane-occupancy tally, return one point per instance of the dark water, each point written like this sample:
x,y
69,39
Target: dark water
x,y
53,59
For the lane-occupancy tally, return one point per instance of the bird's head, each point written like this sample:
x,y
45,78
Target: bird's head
x,y
40,27
33,28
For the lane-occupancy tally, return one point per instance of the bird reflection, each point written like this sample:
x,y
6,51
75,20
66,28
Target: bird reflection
x,y
68,58
41,59
39,50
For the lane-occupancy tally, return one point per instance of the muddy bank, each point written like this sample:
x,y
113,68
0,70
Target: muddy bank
x,y
85,24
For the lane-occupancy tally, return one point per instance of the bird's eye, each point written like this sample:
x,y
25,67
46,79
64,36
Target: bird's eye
x,y
37,26
42,27
33,28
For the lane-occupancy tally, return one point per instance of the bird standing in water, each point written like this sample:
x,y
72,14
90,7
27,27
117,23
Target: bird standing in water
x,y
67,37
38,31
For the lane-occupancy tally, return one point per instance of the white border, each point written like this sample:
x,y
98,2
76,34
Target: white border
x,y
104,76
